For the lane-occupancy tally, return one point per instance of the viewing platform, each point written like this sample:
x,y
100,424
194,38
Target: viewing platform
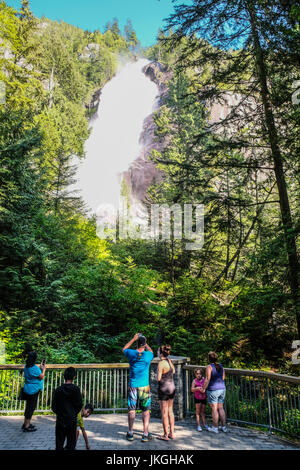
x,y
108,431
262,409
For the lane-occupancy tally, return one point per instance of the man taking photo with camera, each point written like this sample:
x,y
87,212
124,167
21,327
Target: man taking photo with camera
x,y
139,395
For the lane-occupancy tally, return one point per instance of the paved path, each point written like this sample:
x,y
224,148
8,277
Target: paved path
x,y
107,432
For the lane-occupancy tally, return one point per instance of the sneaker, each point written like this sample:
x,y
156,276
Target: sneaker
x,y
129,436
212,429
147,438
199,428
224,429
205,427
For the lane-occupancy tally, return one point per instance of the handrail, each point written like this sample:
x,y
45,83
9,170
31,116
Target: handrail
x,y
260,398
253,373
120,365
104,385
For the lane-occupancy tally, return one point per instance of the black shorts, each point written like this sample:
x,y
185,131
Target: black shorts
x,y
202,402
165,396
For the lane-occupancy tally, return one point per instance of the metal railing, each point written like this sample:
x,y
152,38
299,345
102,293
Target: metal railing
x,y
103,385
263,399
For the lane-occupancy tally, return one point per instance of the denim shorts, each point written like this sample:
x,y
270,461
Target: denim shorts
x,y
216,396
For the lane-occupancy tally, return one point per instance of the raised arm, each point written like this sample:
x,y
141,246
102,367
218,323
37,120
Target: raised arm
x,y
127,345
43,369
147,347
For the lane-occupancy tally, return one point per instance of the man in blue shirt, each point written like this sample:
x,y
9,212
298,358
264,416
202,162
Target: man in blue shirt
x,y
139,389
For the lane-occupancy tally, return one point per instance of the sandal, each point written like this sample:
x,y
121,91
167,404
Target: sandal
x,y
31,426
29,429
162,438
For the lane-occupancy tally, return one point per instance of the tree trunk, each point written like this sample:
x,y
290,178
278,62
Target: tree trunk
x,y
51,87
243,242
228,227
240,245
278,167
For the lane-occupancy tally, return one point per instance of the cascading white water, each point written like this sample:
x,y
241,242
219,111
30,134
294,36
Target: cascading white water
x,y
114,141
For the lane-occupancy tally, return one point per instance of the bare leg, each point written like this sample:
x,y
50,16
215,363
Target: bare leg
x,y
215,414
171,418
146,420
131,418
198,413
26,423
164,417
222,414
202,413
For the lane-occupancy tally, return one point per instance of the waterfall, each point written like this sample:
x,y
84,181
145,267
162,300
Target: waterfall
x,y
114,141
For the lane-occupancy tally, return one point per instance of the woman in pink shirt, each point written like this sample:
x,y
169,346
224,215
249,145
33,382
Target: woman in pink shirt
x,y
199,398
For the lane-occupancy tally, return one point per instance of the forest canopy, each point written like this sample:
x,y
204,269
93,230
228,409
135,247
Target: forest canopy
x,y
76,298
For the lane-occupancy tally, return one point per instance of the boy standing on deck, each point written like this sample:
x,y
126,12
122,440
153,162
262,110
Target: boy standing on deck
x,y
66,404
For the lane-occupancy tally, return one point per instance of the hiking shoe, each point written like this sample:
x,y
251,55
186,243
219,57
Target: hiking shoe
x,y
147,438
199,428
129,436
224,429
212,429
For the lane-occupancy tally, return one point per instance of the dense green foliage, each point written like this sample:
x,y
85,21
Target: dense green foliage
x,y
243,167
61,290
76,298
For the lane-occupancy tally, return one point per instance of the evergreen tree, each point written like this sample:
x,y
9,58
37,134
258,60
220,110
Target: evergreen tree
x,y
131,37
115,28
246,27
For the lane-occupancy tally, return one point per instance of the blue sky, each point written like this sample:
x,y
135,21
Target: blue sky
x,y
146,15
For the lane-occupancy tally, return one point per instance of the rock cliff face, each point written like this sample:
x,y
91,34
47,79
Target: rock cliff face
x,y
142,172
158,74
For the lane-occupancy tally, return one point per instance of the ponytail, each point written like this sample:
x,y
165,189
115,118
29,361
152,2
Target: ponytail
x,y
165,350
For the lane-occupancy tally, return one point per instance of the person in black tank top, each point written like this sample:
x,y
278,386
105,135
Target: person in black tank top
x,y
166,392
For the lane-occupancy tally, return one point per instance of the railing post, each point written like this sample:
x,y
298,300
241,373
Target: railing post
x,y
269,408
186,391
